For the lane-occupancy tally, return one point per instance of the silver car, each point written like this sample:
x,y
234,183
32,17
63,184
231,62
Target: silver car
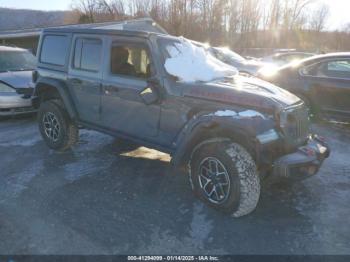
x,y
283,58
16,87
250,67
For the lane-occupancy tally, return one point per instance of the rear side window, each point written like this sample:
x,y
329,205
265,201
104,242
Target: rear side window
x,y
87,54
54,49
339,68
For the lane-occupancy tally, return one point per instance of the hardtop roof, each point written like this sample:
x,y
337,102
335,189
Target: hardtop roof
x,y
102,32
138,24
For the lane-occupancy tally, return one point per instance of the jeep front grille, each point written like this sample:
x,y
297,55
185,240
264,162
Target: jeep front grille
x,y
294,123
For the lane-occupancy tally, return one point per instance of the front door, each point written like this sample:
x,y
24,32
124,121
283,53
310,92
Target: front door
x,y
330,86
126,75
85,77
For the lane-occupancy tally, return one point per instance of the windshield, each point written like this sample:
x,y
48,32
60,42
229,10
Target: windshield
x,y
16,61
190,63
230,55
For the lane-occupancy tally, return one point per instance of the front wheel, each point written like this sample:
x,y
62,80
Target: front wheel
x,y
56,128
224,175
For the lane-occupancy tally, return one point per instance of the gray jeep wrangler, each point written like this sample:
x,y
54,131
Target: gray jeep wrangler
x,y
228,133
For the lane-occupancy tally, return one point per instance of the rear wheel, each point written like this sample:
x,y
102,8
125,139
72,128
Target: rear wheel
x,y
56,128
224,176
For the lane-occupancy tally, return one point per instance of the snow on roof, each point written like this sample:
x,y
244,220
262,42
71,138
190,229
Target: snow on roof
x,y
191,63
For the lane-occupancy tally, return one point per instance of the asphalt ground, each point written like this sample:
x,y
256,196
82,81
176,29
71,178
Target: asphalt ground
x,y
107,196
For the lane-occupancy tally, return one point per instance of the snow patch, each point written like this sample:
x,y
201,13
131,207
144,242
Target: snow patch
x,y
191,63
250,113
243,114
225,113
17,182
22,142
87,166
201,226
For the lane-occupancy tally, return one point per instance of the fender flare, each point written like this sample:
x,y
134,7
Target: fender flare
x,y
199,129
63,91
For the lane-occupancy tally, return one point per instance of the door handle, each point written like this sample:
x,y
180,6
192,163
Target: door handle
x,y
76,81
109,89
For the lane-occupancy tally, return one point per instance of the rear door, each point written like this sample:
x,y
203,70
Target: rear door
x,y
85,76
127,69
329,82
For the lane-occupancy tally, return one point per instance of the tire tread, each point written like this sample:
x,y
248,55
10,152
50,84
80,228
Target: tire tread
x,y
249,179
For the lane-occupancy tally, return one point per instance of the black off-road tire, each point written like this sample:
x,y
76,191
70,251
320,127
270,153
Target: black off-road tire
x,y
68,134
244,190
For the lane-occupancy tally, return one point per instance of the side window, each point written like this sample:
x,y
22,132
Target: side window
x,y
54,49
132,61
336,69
339,69
87,54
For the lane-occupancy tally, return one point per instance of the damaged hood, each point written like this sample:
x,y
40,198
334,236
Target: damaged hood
x,y
243,91
17,79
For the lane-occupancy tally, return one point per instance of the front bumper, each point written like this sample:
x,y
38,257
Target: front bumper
x,y
303,163
14,104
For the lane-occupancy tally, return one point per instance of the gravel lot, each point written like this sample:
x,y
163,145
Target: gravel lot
x,y
110,197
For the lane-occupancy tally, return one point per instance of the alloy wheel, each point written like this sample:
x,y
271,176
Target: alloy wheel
x,y
51,126
214,180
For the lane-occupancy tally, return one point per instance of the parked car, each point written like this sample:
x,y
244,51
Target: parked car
x,y
16,87
228,132
323,82
283,58
247,66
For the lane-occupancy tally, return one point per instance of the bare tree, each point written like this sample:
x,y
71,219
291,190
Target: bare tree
x,y
274,15
236,23
87,8
319,18
113,9
294,16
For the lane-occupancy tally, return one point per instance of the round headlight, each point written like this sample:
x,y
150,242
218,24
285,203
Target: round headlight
x,y
6,88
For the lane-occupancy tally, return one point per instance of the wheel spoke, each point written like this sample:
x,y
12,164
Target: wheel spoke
x,y
55,133
212,191
205,169
218,198
221,189
206,184
213,166
57,127
221,177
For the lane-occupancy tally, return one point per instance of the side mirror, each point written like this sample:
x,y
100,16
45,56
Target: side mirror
x,y
150,94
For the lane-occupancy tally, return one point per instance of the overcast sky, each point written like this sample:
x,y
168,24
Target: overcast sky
x,y
339,8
